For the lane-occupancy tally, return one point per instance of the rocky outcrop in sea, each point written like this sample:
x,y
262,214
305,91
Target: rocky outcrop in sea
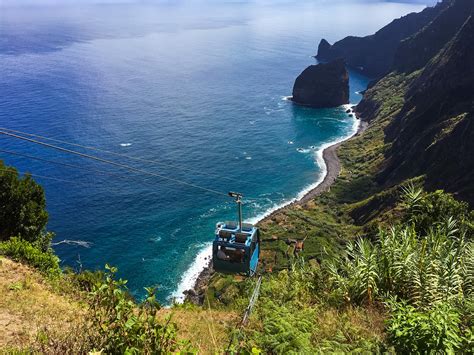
x,y
323,85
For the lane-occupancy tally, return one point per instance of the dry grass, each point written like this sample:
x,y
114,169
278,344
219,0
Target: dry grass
x,y
28,305
352,324
208,330
32,313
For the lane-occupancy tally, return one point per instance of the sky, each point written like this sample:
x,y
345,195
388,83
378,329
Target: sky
x,y
76,2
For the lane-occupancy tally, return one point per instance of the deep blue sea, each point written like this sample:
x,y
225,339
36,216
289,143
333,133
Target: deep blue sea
x,y
198,86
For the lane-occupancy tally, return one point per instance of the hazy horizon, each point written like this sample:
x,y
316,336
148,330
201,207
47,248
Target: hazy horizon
x,y
171,2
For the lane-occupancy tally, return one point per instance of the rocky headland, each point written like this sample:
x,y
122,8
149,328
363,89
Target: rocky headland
x,y
374,55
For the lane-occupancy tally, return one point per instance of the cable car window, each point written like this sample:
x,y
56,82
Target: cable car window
x,y
222,253
230,254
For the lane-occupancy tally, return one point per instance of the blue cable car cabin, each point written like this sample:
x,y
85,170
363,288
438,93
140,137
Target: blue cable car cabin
x,y
236,250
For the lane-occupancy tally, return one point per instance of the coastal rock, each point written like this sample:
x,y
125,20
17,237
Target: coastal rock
x,y
322,85
324,48
197,294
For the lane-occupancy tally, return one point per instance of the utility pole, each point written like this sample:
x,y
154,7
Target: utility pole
x,y
238,199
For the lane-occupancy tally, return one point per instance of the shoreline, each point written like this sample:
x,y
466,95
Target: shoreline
x,y
331,168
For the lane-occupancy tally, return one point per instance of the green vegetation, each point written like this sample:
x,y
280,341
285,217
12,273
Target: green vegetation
x,y
118,325
295,314
23,219
21,250
111,321
22,207
386,265
108,319
438,329
408,288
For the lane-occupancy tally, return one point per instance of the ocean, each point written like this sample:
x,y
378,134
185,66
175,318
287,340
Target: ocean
x,y
196,90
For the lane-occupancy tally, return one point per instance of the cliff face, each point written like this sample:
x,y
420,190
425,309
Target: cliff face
x,y
373,55
434,132
322,85
424,106
414,52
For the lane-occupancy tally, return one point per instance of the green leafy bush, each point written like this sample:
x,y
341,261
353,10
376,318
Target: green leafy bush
x,y
122,327
411,330
287,329
21,250
83,280
427,263
426,211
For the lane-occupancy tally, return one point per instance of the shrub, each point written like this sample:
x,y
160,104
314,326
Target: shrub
x,y
122,327
428,259
286,329
435,330
293,315
83,280
428,210
21,250
427,263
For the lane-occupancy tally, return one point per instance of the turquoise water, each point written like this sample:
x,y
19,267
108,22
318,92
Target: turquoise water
x,y
196,85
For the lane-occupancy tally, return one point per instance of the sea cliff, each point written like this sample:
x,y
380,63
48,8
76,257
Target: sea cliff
x,y
322,85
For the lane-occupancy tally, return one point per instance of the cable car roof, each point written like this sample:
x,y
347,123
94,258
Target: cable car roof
x,y
228,233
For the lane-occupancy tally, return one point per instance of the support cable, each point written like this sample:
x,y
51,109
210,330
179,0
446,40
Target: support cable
x,y
128,156
248,310
55,162
9,171
130,168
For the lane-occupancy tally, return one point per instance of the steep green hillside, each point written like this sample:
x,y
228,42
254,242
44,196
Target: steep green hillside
x,y
434,132
405,288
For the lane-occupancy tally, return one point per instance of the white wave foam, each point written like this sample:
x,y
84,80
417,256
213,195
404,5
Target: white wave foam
x,y
208,213
125,144
303,150
155,239
287,98
201,261
320,159
190,276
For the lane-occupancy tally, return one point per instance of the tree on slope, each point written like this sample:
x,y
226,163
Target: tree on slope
x,y
22,206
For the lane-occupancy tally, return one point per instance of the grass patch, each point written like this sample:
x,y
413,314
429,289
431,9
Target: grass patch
x,y
21,250
29,305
